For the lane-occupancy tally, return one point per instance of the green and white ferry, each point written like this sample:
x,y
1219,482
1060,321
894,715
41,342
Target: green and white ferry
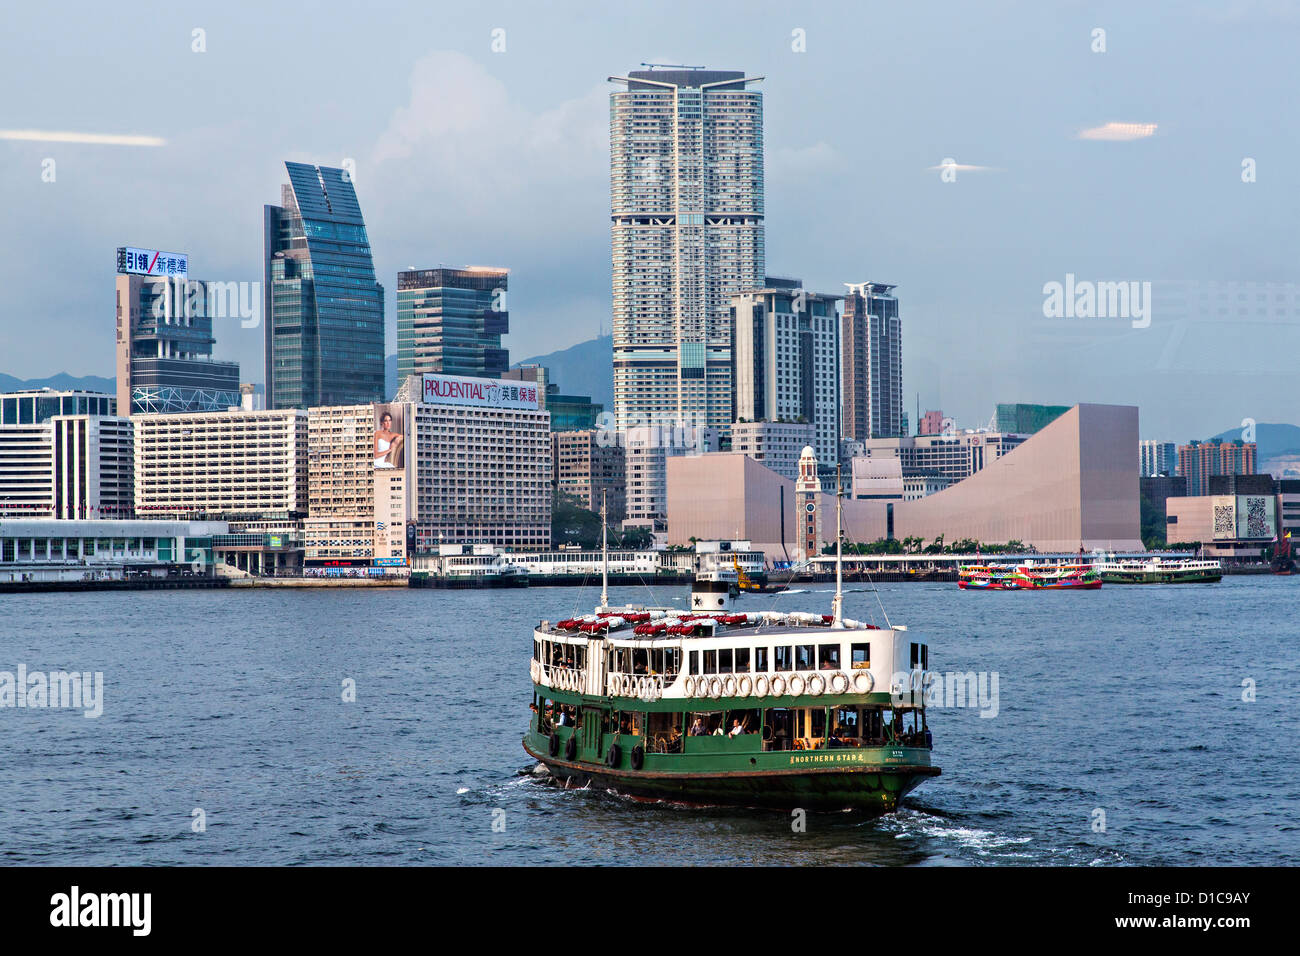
x,y
715,707
1157,570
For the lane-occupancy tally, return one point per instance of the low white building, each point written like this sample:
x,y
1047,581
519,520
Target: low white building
x,y
35,550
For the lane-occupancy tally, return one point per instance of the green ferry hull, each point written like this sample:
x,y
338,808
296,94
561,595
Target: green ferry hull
x,y
830,780
1160,577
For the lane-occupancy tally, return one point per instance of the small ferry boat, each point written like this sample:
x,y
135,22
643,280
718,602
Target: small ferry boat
x,y
1157,570
472,566
713,707
1029,576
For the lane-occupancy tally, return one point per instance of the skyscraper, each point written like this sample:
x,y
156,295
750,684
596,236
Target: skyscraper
x,y
787,361
1157,458
450,322
164,336
324,311
686,209
871,339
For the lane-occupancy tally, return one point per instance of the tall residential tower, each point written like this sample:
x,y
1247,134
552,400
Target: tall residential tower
x,y
871,340
324,311
686,210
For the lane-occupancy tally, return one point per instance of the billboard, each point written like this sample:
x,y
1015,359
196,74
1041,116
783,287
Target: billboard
x,y
390,437
479,392
152,262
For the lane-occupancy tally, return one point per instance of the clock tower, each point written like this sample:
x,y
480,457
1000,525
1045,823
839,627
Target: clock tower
x,y
807,490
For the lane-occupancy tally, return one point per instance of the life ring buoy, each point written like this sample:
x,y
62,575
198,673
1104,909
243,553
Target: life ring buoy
x,y
571,747
839,683
532,670
779,684
553,745
762,685
638,757
688,685
816,685
797,685
612,755
863,682
729,686
627,686
611,684
715,687
744,685
643,688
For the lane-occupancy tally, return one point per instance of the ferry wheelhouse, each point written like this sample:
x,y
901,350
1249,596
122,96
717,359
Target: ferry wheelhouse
x,y
715,707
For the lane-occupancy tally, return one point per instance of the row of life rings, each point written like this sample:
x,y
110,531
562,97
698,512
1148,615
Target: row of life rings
x,y
797,685
572,681
630,685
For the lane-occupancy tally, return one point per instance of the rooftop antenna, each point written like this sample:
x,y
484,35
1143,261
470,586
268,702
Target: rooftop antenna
x,y
672,66
837,605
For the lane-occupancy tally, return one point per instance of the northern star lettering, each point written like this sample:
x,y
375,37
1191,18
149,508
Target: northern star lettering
x,y
103,909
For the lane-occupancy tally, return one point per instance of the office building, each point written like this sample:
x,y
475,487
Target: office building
x,y
64,455
1200,460
479,461
590,471
786,361
931,423
1022,419
165,335
871,344
777,445
686,206
237,466
955,457
340,524
323,311
569,413
450,322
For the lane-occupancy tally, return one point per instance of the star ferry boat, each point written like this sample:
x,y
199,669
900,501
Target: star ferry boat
x,y
716,707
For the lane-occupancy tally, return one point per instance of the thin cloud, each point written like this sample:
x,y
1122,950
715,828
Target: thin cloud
x,y
1119,132
962,167
95,139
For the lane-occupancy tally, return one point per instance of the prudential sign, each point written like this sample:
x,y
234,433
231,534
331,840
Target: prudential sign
x,y
479,392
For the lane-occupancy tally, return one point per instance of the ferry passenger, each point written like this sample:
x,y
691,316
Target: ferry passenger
x,y
736,729
697,728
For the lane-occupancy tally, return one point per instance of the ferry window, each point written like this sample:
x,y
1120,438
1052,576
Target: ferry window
x,y
861,656
803,657
785,658
818,723
742,660
916,655
724,661
925,657
828,656
846,722
760,659
695,662
710,662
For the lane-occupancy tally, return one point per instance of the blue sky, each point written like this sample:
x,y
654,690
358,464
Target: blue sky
x,y
469,156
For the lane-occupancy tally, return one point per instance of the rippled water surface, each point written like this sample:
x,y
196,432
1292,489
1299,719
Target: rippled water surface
x,y
1124,700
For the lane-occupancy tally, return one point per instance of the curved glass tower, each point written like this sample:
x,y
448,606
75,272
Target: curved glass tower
x,y
324,310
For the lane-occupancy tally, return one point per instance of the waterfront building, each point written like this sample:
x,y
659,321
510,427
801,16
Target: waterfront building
x,y
340,524
956,456
234,465
323,309
590,471
1200,460
1073,484
777,445
65,550
588,564
481,468
1022,419
871,343
786,361
1157,458
1235,528
450,321
686,211
165,335
64,455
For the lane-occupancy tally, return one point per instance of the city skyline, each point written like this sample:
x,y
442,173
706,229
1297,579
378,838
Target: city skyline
x,y
451,144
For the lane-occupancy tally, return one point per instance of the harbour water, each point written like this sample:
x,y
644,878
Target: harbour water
x,y
1126,702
